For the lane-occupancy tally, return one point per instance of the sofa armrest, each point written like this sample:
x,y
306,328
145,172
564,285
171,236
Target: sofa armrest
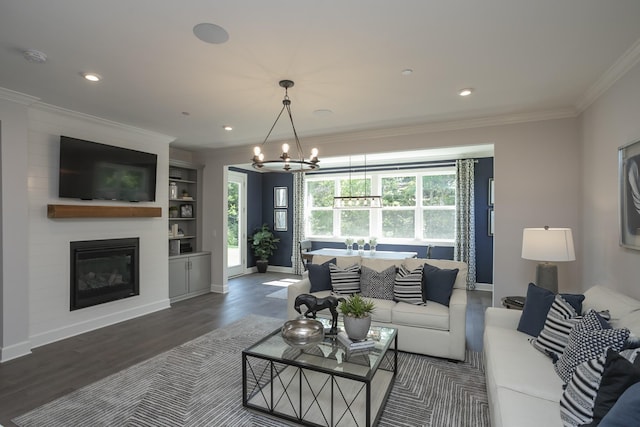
x,y
458,323
502,317
293,290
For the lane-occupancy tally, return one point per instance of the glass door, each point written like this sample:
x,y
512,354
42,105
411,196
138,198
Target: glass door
x,y
236,223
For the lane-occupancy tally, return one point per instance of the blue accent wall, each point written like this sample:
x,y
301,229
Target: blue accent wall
x,y
484,243
282,255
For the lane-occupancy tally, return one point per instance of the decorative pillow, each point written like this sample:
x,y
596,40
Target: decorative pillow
x,y
320,276
576,403
619,374
554,337
588,340
437,284
375,284
408,286
626,411
345,281
537,306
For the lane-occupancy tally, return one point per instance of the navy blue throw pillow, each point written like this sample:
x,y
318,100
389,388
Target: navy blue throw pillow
x,y
619,374
537,306
626,411
320,276
437,284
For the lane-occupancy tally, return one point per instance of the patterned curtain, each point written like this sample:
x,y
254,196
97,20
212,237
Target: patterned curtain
x,y
298,220
465,249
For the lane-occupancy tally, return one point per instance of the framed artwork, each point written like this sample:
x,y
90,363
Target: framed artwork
x,y
186,211
280,219
491,222
491,192
629,195
280,197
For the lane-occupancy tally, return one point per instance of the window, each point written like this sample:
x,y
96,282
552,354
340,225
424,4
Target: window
x,y
416,206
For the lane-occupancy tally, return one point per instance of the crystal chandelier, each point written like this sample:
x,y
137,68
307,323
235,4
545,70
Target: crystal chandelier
x,y
285,162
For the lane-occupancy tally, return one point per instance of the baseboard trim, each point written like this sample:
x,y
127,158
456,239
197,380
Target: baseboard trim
x,y
14,351
220,289
97,323
484,287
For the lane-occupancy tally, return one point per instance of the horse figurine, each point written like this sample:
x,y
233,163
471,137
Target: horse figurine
x,y
315,304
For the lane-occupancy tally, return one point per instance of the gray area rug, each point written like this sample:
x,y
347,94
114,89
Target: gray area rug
x,y
200,384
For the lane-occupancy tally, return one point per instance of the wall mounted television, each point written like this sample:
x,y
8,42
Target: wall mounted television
x,y
89,170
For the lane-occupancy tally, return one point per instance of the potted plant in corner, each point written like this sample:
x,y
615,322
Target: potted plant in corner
x,y
263,242
357,316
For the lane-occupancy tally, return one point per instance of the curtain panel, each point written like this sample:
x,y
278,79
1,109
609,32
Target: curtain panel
x,y
465,245
298,221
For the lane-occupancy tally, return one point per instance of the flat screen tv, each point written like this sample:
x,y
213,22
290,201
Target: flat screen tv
x,y
89,170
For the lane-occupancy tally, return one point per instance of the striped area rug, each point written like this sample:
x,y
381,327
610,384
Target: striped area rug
x,y
200,384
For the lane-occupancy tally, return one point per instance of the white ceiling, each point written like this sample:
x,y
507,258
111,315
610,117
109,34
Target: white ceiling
x,y
346,56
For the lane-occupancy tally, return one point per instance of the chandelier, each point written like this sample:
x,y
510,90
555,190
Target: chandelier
x,y
365,201
285,162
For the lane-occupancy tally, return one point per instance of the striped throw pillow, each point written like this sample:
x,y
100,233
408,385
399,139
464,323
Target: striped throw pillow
x,y
408,286
345,281
554,336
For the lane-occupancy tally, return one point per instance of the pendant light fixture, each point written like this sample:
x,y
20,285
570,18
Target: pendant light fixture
x,y
285,163
366,201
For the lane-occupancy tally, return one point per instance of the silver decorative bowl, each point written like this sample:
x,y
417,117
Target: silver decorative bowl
x,y
302,333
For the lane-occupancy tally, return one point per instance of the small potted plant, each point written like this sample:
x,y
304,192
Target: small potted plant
x,y
349,242
373,242
357,316
263,242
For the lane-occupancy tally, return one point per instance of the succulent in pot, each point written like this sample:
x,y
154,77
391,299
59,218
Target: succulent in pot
x,y
357,316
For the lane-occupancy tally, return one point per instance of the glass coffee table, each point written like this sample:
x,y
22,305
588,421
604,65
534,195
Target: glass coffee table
x,y
324,385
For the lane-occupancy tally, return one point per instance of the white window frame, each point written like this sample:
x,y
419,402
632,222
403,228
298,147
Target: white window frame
x,y
375,222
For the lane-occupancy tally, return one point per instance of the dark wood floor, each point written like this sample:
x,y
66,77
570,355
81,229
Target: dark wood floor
x,y
57,369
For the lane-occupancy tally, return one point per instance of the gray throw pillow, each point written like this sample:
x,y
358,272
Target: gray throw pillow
x,y
375,284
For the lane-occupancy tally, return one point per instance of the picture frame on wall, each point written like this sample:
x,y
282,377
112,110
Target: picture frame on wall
x,y
629,195
280,197
280,219
491,222
491,192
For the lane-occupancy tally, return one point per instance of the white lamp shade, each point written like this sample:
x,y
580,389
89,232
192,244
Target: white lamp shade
x,y
548,244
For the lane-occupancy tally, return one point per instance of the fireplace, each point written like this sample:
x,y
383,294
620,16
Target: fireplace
x,y
103,271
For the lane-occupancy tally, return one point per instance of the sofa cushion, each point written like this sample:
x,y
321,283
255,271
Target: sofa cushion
x,y
345,281
537,306
523,410
437,283
554,337
375,284
602,298
379,264
320,276
384,310
587,341
408,286
341,261
431,316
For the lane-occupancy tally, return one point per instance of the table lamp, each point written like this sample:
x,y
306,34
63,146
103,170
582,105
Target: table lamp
x,y
548,245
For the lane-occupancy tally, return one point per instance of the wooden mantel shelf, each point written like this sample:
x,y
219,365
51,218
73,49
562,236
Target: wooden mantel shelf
x,y
94,211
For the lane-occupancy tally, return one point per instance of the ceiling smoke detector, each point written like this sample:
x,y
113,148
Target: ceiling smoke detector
x,y
35,56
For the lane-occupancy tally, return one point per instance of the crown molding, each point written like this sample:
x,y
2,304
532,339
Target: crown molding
x,y
619,68
17,97
444,126
53,109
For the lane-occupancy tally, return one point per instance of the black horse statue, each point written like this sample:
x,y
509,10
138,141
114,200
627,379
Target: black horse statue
x,y
315,304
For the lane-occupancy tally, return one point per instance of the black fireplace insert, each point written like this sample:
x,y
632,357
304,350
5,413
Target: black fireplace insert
x,y
103,271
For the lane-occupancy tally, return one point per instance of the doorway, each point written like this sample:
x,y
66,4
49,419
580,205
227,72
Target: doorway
x,y
236,224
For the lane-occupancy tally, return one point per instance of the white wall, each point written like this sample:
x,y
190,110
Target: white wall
x,y
536,180
612,121
39,247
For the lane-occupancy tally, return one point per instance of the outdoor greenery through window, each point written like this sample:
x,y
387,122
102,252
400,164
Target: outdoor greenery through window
x,y
416,205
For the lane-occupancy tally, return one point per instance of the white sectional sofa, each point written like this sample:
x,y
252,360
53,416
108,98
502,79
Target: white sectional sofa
x,y
523,388
433,329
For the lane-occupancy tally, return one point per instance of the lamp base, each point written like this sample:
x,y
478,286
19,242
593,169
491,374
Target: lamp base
x,y
547,276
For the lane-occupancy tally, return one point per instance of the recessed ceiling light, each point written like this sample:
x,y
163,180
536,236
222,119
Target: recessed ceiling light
x,y
406,72
211,33
465,92
35,56
323,112
92,77
227,128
